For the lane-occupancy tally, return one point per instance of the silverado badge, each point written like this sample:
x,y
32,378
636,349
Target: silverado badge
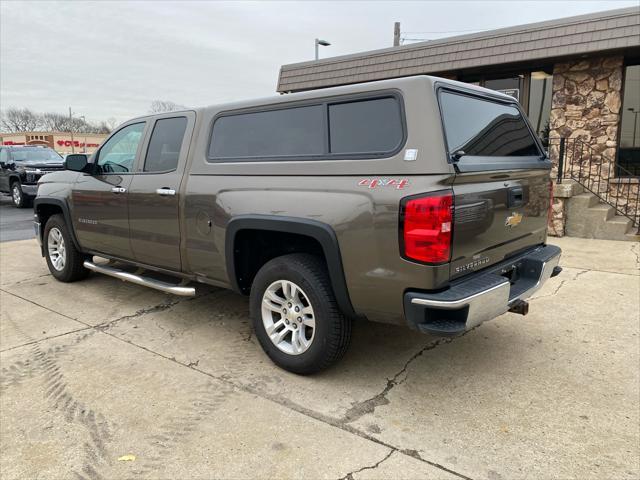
x,y
513,220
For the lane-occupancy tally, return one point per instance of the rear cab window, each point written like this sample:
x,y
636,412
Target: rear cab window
x,y
483,134
165,145
370,127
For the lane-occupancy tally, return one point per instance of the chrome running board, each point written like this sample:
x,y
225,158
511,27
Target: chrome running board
x,y
140,280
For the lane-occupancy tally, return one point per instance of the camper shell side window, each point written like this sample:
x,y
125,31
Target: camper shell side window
x,y
356,127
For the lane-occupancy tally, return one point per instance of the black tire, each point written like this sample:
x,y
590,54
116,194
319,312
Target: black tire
x,y
332,332
73,269
19,199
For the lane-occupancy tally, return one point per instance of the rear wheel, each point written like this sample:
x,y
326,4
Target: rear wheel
x,y
65,262
295,315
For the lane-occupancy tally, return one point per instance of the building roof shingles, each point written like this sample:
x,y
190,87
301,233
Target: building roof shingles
x,y
602,31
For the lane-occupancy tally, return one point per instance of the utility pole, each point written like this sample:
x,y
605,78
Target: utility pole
x,y
84,120
396,34
71,130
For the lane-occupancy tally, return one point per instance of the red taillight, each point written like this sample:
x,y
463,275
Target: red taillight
x,y
426,227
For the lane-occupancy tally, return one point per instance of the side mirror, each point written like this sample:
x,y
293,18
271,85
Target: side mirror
x,y
76,162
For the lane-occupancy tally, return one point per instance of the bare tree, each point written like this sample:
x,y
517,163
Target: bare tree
x,y
102,127
20,120
111,123
55,122
62,123
24,120
161,106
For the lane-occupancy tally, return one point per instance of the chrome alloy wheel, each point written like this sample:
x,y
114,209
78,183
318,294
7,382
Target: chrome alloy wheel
x,y
57,251
16,194
288,318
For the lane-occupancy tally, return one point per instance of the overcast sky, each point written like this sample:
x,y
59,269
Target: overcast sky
x,y
112,59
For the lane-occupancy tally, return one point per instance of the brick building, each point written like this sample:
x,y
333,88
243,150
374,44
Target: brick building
x,y
577,78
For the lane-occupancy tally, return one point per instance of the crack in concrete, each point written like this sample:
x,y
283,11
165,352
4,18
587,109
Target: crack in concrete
x,y
249,336
165,305
365,407
636,252
286,403
44,339
560,285
349,476
42,306
352,414
283,402
161,307
25,280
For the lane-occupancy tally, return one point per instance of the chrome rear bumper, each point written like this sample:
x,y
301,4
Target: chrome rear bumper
x,y
482,296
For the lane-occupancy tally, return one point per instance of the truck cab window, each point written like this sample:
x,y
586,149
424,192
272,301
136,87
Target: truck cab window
x,y
118,154
165,144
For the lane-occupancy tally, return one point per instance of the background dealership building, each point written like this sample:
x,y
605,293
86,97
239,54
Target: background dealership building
x,y
577,78
61,142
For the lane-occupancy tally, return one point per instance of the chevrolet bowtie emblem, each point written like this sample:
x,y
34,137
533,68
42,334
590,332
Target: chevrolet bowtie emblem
x,y
513,220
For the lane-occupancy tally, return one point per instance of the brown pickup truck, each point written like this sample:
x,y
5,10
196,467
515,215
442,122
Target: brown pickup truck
x,y
417,201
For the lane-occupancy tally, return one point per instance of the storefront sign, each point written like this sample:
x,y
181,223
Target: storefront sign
x,y
76,143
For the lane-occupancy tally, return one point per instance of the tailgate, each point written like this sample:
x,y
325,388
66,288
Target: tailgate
x,y
495,218
501,189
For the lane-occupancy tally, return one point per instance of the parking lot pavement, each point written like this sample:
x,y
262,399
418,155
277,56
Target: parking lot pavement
x,y
15,223
100,369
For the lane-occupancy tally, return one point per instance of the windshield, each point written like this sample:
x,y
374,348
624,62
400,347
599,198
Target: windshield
x,y
481,127
35,155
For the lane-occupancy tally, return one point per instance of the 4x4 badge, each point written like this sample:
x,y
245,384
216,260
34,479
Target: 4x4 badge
x,y
384,182
513,220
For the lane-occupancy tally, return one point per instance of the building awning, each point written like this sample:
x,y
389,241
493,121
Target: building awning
x,y
566,37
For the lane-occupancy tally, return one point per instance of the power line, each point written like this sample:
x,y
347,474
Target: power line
x,y
456,31
408,39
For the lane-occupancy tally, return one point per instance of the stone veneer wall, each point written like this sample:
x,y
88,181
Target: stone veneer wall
x,y
585,105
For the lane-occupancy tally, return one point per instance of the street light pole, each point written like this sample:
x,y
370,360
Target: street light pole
x,y
319,42
73,150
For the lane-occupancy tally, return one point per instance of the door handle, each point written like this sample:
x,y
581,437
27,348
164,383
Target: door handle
x,y
118,190
166,191
516,197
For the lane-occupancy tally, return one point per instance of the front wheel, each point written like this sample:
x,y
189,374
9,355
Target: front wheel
x,y
20,200
65,262
295,314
